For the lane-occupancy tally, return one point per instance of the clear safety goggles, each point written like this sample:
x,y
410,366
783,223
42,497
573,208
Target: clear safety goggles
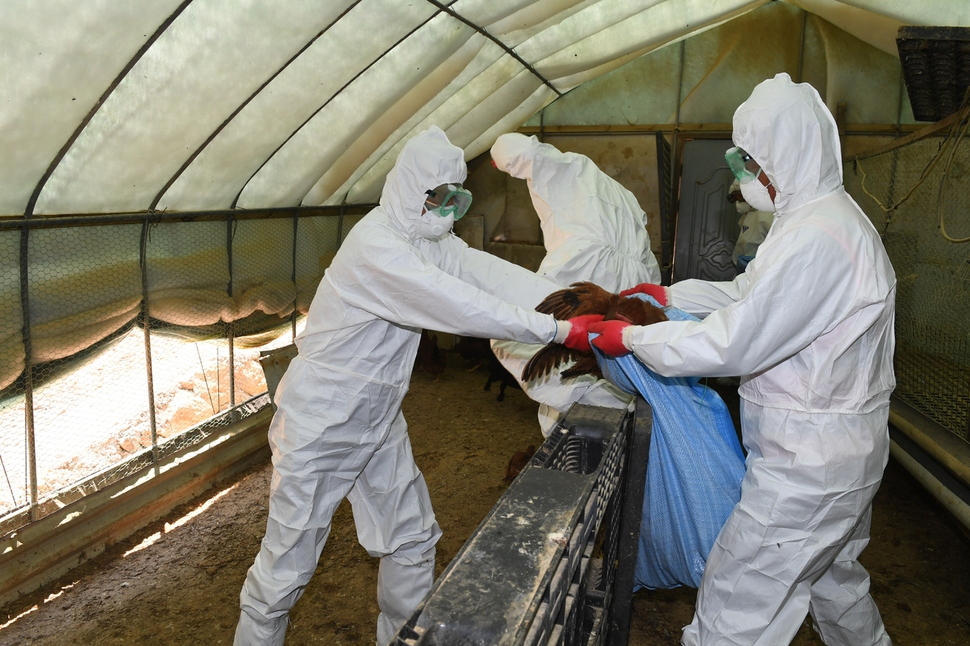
x,y
449,199
744,168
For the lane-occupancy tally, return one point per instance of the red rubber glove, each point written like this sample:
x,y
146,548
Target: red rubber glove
x,y
610,339
578,337
659,292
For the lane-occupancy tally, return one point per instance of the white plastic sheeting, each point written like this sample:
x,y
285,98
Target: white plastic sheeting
x,y
206,105
703,80
214,104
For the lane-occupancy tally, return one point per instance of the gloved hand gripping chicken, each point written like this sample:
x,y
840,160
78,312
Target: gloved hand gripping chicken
x,y
582,300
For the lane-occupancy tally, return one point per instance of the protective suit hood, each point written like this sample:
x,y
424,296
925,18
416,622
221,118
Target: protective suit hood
x,y
573,197
513,153
426,161
789,131
540,164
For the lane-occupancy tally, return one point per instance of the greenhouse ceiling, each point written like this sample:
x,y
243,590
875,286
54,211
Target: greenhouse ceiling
x,y
199,105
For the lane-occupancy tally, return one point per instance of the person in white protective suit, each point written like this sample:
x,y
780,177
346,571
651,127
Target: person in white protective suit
x,y
593,230
754,225
338,431
809,326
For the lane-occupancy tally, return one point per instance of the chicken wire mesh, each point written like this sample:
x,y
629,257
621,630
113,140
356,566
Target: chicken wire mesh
x,y
918,196
144,338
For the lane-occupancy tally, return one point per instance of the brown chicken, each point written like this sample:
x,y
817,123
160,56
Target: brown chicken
x,y
518,462
580,299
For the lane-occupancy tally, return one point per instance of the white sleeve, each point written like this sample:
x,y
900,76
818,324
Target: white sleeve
x,y
802,293
397,285
508,281
701,297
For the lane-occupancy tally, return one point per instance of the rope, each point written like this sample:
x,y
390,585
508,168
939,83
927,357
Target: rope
x,y
946,170
205,378
948,148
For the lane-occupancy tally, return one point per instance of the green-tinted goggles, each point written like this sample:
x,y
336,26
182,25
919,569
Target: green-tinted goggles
x,y
744,168
449,199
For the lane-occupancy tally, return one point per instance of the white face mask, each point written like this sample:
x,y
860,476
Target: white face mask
x,y
433,226
756,194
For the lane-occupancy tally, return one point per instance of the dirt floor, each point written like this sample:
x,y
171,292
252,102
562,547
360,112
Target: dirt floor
x,y
178,581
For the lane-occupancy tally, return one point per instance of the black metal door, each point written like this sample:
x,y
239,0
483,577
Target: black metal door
x,y
707,224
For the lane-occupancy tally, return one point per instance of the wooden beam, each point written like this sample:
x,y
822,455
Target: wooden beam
x,y
876,129
932,130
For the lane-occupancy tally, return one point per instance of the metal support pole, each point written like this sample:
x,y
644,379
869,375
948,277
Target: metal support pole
x,y
542,137
230,232
340,227
296,222
801,50
146,327
674,176
29,439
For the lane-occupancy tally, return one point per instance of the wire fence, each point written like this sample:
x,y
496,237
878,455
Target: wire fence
x,y
917,193
143,334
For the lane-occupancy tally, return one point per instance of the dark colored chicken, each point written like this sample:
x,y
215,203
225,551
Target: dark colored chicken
x,y
498,373
473,350
580,299
479,352
430,357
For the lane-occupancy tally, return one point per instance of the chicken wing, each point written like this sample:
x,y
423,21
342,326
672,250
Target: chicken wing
x,y
585,298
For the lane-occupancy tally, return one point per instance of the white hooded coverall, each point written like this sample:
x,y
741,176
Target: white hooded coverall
x,y
593,230
809,326
338,431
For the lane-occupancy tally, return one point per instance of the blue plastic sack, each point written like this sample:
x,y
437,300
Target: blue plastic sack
x,y
694,470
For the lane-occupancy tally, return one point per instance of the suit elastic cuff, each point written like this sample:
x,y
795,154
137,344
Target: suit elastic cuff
x,y
562,331
626,336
